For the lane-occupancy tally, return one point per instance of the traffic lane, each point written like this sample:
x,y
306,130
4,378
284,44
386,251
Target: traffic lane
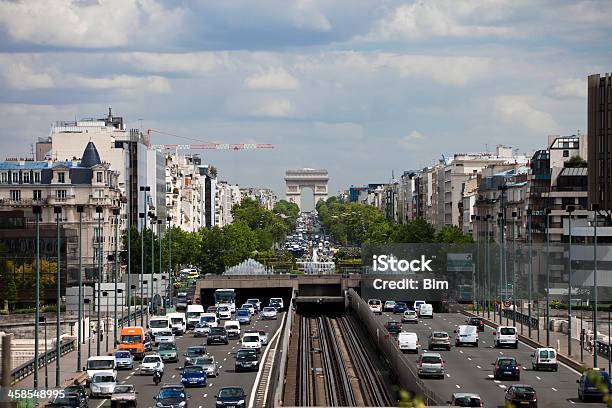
x,y
204,396
553,388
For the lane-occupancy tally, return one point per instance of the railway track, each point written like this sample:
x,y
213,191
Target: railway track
x,y
335,367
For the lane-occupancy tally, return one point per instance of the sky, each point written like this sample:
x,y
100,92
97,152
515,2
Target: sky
x,y
361,88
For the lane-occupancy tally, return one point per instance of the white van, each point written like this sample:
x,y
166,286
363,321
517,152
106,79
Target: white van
x,y
466,335
159,324
426,311
417,305
375,306
193,315
100,364
505,336
544,358
210,318
408,341
233,328
178,322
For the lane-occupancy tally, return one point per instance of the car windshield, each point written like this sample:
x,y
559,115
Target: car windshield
x,y
131,338
507,331
431,360
223,309
196,351
122,354
393,325
124,389
193,369
171,393
207,319
269,309
374,302
250,339
181,299
66,401
230,392
100,364
506,361
158,324
467,402
164,334
217,330
244,354
74,389
177,320
242,313
205,360
166,346
400,304
474,321
253,301
151,359
440,335
202,325
523,389
102,379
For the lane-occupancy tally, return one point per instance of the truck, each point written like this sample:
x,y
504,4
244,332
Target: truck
x,y
193,315
100,364
132,339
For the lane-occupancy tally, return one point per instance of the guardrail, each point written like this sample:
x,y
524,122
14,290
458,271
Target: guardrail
x,y
27,369
388,350
521,317
281,365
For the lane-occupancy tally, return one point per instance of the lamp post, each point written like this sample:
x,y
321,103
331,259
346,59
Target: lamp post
x,y
87,301
120,291
143,225
171,284
514,218
36,210
595,209
570,209
151,294
105,294
132,288
115,270
477,266
547,213
80,209
58,305
529,214
488,266
43,319
99,296
159,228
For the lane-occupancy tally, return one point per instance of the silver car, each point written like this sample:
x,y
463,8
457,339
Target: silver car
x,y
465,399
430,365
208,364
124,395
201,330
263,336
102,384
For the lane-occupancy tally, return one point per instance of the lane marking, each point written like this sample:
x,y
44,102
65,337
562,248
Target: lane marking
x,y
457,385
210,385
448,375
502,386
132,373
225,359
174,376
538,377
469,359
128,377
571,402
496,381
554,389
205,395
220,366
490,375
461,351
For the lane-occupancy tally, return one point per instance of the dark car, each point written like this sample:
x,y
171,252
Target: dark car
x,y
193,376
67,401
181,302
217,335
171,396
594,384
194,352
231,397
400,307
506,367
520,395
393,327
78,390
476,321
246,360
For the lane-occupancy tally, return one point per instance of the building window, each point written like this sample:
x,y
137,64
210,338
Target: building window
x,y
16,195
61,177
15,178
566,153
61,194
37,177
98,176
26,177
4,178
37,194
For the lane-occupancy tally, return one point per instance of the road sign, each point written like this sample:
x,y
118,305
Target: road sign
x,y
507,304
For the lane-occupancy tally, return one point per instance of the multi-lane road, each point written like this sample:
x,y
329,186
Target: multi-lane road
x,y
468,369
204,396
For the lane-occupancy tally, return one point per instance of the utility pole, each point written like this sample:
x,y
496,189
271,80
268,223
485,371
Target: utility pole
x,y
80,210
58,213
99,296
116,267
36,210
570,209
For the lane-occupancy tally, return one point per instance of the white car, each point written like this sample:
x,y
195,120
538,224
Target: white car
x,y
269,313
250,308
263,336
410,316
506,336
224,313
278,301
426,310
201,330
164,337
251,341
102,384
389,305
375,306
466,335
209,318
232,327
256,302
408,341
150,363
417,304
544,358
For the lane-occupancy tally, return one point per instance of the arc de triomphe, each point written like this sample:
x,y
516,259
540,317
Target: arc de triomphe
x,y
296,180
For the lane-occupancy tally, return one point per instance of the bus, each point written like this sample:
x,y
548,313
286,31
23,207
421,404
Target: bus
x,y
226,297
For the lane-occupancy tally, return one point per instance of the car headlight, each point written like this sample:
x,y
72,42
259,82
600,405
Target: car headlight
x,y
182,404
158,404
241,402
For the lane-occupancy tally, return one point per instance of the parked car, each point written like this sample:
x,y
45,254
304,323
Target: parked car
x,y
410,316
231,397
193,376
171,395
102,384
269,313
594,384
217,335
208,364
124,396
430,364
506,367
393,327
521,395
544,358
465,399
476,321
124,359
400,307
506,336
194,352
439,339
246,360
168,352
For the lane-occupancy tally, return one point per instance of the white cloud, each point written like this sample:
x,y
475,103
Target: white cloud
x,y
519,109
570,88
444,18
155,84
411,140
19,75
99,24
274,80
275,108
194,63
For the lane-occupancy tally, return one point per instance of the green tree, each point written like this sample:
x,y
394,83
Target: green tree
x,y
575,161
240,242
416,231
213,246
451,234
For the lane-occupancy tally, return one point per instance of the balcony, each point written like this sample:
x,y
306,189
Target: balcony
x,y
23,202
100,200
55,200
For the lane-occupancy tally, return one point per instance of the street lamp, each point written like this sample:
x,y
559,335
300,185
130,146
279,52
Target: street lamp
x,y
159,228
595,209
514,219
43,319
529,214
116,214
80,210
500,224
570,209
58,213
547,213
170,287
37,211
476,266
488,262
153,222
119,291
99,297
143,226
105,294
132,288
87,301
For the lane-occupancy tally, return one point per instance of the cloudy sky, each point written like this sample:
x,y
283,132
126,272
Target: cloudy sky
x,y
358,87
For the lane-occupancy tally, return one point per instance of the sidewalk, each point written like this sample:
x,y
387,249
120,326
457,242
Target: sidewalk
x,y
558,341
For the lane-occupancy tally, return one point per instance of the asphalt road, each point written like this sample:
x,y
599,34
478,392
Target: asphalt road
x,y
204,396
469,369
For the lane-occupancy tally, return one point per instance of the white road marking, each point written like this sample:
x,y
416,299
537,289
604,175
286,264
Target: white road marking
x,y
205,395
478,367
128,377
469,359
490,375
448,375
132,373
501,352
229,352
220,366
210,385
174,376
483,342
571,402
538,377
502,386
199,406
457,385
100,404
461,351
225,359
554,389
496,381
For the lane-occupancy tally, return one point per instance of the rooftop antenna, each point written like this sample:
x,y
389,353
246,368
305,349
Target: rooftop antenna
x,y
32,151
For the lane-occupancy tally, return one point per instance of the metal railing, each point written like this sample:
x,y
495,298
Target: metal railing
x,y
522,318
27,369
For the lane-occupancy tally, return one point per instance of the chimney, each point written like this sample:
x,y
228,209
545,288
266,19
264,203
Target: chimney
x,y
74,161
49,162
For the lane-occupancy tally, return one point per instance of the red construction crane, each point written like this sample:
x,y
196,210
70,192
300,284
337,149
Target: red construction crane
x,y
205,146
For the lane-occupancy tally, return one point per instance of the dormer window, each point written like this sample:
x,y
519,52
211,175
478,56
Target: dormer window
x,y
61,177
26,177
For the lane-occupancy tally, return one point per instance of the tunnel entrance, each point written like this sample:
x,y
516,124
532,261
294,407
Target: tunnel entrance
x,y
305,289
242,294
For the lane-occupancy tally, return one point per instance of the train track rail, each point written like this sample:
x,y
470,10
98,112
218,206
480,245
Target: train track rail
x,y
330,349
